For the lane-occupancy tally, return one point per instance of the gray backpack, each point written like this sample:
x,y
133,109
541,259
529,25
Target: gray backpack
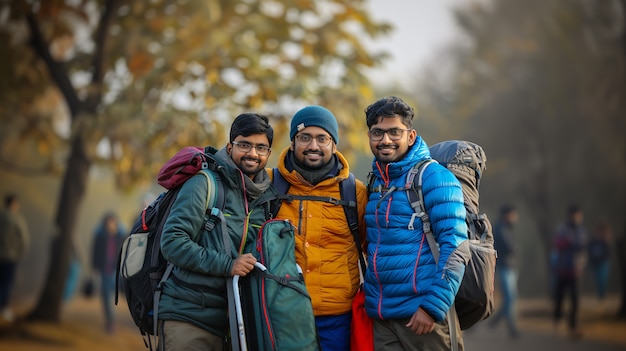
x,y
475,298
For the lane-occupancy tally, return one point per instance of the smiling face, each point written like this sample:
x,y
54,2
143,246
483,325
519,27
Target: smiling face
x,y
250,162
313,147
387,150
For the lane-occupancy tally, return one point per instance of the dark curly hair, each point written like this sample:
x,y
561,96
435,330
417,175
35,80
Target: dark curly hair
x,y
390,106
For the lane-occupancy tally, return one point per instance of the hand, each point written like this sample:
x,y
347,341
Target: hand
x,y
243,265
421,323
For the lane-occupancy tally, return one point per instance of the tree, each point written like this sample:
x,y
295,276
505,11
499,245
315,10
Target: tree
x,y
140,79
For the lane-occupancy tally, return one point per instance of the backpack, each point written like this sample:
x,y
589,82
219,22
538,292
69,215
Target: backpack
x,y
475,299
269,296
141,267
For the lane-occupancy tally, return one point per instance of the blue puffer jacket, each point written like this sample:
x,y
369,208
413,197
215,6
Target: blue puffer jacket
x,y
402,275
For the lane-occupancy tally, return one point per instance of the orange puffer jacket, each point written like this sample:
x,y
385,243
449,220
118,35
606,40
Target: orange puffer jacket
x,y
325,248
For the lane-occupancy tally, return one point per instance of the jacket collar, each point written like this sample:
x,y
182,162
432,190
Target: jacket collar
x,y
416,153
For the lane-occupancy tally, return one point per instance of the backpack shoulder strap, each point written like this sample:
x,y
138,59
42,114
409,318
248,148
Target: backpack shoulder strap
x,y
280,183
347,189
370,182
282,187
215,195
416,199
211,169
215,190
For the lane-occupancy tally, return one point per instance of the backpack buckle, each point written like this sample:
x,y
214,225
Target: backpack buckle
x,y
210,223
410,226
334,201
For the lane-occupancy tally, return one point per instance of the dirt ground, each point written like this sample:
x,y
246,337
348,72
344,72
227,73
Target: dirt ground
x,y
82,327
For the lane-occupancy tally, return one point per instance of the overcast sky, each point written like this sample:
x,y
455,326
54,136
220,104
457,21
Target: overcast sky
x,y
421,28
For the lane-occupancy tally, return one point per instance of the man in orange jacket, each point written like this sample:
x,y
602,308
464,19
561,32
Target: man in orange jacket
x,y
325,247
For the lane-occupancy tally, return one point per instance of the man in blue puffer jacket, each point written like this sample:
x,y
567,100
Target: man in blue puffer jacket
x,y
408,294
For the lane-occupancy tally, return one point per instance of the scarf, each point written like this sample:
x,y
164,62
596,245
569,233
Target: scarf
x,y
314,176
254,187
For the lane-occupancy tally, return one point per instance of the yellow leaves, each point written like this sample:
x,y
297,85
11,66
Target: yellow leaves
x,y
304,4
140,64
43,147
177,51
255,101
124,165
366,92
156,23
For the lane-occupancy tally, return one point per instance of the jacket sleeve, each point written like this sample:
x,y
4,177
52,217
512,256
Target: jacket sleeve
x,y
443,199
182,230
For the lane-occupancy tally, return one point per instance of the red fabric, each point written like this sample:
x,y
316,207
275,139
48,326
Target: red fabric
x,y
182,166
361,329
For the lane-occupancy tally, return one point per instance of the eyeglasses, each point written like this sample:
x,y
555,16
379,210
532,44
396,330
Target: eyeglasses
x,y
306,139
377,134
261,150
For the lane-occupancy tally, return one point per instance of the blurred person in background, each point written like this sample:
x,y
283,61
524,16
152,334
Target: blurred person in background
x,y
599,255
109,236
14,242
506,268
569,255
73,275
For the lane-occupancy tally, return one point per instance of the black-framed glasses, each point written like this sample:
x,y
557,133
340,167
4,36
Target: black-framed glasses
x,y
306,139
261,150
378,134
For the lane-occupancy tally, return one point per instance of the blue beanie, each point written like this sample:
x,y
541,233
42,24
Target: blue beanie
x,y
316,116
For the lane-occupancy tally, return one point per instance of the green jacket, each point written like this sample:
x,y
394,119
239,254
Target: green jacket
x,y
196,290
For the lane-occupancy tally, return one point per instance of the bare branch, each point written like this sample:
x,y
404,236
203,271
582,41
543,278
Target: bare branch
x,y
100,39
34,169
57,71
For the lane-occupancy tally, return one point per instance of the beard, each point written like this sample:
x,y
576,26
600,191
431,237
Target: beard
x,y
250,166
314,163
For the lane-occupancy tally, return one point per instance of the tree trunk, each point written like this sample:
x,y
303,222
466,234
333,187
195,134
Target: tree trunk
x,y
77,170
72,193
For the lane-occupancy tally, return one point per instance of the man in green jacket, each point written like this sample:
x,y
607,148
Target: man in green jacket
x,y
193,306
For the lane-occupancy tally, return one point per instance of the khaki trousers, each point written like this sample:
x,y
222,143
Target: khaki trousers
x,y
182,336
393,335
